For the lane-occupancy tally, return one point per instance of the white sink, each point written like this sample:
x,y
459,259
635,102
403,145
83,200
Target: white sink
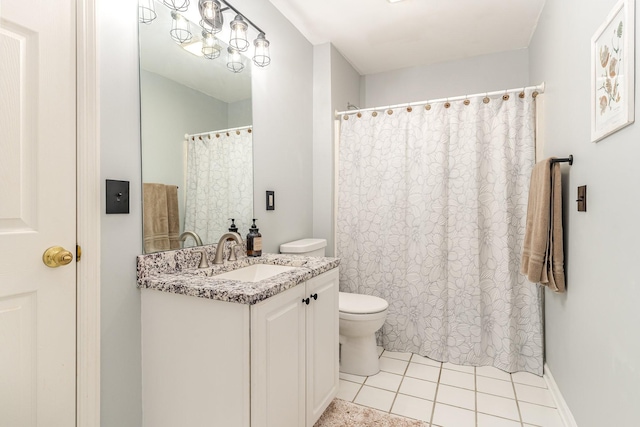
x,y
254,273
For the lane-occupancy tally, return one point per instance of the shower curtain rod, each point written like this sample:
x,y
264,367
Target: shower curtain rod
x,y
187,135
539,88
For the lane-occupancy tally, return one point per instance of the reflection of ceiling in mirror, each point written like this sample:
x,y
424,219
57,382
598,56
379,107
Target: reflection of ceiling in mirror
x,y
161,55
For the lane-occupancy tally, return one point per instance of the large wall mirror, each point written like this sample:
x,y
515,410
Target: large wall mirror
x,y
196,121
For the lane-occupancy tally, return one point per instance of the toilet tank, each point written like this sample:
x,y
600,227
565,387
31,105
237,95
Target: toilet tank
x,y
306,247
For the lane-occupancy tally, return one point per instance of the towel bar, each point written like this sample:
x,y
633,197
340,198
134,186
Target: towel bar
x,y
564,160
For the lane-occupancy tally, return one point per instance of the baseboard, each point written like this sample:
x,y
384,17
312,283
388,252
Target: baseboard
x,y
563,408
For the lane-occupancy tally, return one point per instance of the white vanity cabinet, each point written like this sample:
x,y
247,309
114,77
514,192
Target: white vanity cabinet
x,y
212,363
294,354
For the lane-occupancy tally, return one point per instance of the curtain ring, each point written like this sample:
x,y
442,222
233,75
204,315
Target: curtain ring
x,y
534,94
409,109
359,115
427,107
217,135
249,130
374,114
200,138
389,111
345,117
237,132
466,100
505,97
521,94
447,104
486,98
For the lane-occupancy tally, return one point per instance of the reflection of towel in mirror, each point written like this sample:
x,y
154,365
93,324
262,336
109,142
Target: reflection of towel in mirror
x,y
543,252
155,218
173,216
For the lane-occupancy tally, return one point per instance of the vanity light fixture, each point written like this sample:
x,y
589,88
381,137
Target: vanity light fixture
x,y
177,5
212,18
210,46
261,56
238,38
146,11
180,31
234,60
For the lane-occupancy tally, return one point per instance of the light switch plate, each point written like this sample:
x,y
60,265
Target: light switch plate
x,y
117,193
271,200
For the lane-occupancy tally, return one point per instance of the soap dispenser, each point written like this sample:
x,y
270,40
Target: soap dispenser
x,y
232,227
254,241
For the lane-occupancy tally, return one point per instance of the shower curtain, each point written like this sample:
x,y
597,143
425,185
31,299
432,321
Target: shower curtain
x,y
431,216
219,184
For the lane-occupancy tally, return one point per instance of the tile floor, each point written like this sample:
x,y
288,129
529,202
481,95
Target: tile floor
x,y
448,395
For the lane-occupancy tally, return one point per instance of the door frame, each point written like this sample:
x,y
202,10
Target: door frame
x,y
88,216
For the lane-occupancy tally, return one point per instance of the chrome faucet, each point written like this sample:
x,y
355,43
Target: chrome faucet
x,y
186,234
218,259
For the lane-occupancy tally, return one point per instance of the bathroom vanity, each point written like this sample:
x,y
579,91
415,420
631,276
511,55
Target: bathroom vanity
x,y
252,342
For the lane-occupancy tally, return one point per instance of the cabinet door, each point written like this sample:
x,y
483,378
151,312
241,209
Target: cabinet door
x,y
278,360
322,344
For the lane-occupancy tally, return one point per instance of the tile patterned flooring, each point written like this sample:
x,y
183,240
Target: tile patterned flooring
x,y
448,395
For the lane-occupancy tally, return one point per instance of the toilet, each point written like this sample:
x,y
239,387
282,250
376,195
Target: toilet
x,y
360,317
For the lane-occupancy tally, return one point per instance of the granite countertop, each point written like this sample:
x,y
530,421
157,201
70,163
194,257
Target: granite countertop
x,y
176,272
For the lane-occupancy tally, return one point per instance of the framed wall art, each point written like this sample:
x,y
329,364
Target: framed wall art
x,y
613,72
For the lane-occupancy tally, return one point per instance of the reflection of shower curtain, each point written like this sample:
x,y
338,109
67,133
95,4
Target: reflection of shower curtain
x,y
219,184
431,216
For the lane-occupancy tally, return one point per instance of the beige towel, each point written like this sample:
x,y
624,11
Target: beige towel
x,y
543,252
155,219
173,216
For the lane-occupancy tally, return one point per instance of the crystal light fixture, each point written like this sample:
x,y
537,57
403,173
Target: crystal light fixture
x,y
177,5
211,14
146,11
180,31
234,60
210,46
238,38
261,56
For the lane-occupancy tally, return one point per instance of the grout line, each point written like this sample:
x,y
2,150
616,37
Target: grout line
x,y
401,381
475,394
435,396
515,393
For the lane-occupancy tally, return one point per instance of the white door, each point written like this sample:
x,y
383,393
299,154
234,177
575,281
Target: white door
x,y
37,211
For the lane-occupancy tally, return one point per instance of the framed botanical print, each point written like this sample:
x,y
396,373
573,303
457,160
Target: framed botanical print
x,y
613,72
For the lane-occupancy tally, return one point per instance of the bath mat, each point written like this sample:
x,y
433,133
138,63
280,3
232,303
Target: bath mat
x,y
341,413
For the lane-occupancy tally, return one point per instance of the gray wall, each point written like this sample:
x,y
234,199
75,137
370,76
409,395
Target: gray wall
x,y
283,129
240,113
283,140
486,73
120,383
335,83
592,338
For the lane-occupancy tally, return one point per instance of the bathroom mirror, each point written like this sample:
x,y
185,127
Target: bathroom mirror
x,y
184,93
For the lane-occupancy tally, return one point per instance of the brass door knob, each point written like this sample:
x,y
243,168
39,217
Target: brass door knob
x,y
56,256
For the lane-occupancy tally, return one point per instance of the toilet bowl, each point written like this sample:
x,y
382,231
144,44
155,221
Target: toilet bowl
x,y
360,317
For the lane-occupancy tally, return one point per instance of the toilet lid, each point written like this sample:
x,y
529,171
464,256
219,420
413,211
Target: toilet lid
x,y
361,304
